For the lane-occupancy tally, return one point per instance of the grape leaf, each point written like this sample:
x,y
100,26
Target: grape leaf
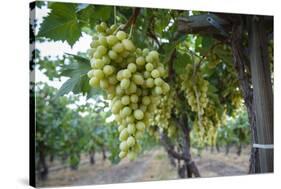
x,y
78,67
180,63
67,86
61,24
207,43
79,82
100,13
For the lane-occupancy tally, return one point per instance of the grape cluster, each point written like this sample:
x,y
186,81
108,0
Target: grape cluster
x,y
133,80
195,88
163,114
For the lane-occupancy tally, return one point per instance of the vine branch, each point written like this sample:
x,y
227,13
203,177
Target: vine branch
x,y
132,20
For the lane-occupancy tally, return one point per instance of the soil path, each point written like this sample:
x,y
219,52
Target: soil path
x,y
152,165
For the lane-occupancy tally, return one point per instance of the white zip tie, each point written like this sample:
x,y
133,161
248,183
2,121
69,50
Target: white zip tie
x,y
263,146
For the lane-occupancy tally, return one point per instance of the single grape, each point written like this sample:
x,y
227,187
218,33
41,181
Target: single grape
x,y
98,74
94,81
132,67
131,141
155,73
124,135
118,47
140,126
134,98
122,154
121,35
131,128
149,82
125,100
138,79
111,40
140,61
126,73
138,114
149,67
112,55
126,111
124,146
125,83
108,70
128,45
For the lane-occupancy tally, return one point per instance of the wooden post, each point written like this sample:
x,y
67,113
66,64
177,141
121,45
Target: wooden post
x,y
262,90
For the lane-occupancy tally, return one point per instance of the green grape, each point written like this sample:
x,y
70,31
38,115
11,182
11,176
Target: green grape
x,y
121,35
146,100
125,83
101,50
155,73
149,82
138,79
154,55
132,155
132,67
131,129
118,47
126,111
94,81
140,61
124,146
112,55
128,45
122,154
104,83
111,40
108,70
125,100
126,73
149,67
158,90
98,74
131,141
112,80
134,98
138,114
159,81
140,126
124,135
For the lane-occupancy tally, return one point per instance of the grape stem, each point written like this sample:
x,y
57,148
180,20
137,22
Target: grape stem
x,y
198,107
115,14
150,31
131,31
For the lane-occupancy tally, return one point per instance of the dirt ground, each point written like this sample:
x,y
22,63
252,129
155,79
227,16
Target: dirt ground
x,y
152,165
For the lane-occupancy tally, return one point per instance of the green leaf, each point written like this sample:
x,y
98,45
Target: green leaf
x,y
180,63
100,13
207,43
80,59
80,67
61,24
212,88
68,86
